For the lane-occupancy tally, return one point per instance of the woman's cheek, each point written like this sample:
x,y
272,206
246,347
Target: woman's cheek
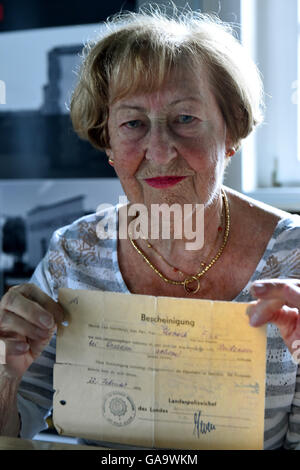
x,y
128,161
197,152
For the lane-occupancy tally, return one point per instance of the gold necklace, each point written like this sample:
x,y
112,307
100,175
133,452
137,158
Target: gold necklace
x,y
176,270
195,277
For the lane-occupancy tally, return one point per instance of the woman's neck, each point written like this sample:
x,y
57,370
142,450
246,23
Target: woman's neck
x,y
183,241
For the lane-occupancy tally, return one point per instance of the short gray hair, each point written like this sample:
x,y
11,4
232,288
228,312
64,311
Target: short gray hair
x,y
140,50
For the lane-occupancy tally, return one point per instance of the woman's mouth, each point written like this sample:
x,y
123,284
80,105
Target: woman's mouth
x,y
164,181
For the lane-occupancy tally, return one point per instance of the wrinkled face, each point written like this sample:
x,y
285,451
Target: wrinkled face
x,y
176,132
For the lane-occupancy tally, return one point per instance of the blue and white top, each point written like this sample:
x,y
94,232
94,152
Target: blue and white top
x,y
78,259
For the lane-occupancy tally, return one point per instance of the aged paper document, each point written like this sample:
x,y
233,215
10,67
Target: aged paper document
x,y
159,372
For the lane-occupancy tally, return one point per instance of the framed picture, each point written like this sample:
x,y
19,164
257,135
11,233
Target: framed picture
x,y
48,176
40,54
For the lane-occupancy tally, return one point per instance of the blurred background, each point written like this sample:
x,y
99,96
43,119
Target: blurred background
x,y
49,177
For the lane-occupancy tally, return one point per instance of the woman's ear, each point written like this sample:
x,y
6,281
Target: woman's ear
x,y
229,146
230,152
110,155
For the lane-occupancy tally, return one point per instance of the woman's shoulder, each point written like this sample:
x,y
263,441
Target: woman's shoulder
x,y
98,226
260,216
91,237
78,257
269,236
263,224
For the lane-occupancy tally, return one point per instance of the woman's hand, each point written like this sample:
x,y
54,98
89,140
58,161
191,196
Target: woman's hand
x,y
28,319
278,303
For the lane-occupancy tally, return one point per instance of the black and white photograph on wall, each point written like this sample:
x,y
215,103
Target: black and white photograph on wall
x,y
40,61
49,177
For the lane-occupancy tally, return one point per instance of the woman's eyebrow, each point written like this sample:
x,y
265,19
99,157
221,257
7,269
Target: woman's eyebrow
x,y
197,99
129,106
125,106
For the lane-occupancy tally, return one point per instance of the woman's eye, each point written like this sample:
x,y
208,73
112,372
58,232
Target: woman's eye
x,y
185,119
133,124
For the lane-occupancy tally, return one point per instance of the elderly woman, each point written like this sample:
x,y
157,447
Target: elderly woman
x,y
170,101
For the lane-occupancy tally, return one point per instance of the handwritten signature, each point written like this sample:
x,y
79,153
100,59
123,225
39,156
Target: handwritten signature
x,y
233,348
118,346
201,427
168,332
166,352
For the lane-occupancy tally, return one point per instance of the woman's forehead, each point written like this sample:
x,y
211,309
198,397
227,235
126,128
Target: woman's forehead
x,y
186,85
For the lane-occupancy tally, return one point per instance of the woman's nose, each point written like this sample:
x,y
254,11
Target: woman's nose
x,y
161,147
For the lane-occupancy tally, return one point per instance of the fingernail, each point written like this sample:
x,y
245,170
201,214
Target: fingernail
x,y
259,288
22,347
254,319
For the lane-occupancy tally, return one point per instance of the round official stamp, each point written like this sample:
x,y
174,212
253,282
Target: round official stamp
x,y
118,408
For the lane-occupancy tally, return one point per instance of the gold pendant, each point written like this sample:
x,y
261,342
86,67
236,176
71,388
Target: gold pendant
x,y
188,281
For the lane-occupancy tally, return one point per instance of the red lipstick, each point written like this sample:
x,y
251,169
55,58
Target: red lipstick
x,y
164,181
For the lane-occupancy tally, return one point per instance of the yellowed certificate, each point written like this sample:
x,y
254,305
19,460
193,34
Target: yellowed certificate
x,y
159,372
